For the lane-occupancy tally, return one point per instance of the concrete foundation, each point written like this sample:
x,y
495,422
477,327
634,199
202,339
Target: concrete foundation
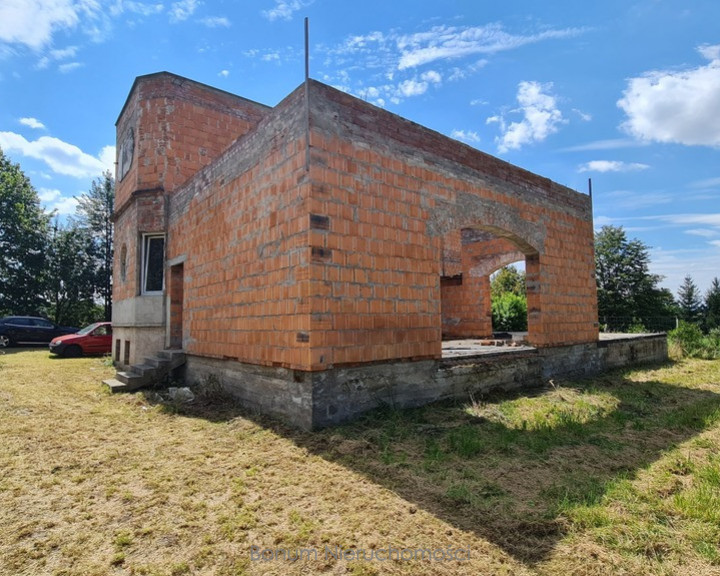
x,y
318,399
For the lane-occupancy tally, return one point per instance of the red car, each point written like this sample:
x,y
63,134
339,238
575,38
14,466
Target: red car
x,y
93,339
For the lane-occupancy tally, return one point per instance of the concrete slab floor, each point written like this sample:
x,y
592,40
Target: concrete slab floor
x,y
476,347
516,343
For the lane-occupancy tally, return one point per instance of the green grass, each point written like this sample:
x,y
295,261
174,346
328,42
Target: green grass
x,y
618,474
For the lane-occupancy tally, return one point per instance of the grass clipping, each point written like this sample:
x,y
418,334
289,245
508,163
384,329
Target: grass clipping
x,y
614,475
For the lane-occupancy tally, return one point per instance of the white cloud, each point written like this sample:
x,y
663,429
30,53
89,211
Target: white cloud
x,y
33,22
703,232
216,22
412,88
61,157
394,62
676,106
182,10
32,123
458,73
702,264
137,8
53,200
541,117
224,73
69,67
684,219
284,9
379,95
450,42
107,158
62,54
707,183
600,221
584,116
630,200
57,55
431,76
611,144
465,136
612,166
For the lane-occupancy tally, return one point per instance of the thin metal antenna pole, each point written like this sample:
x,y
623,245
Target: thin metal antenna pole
x,y
307,48
307,95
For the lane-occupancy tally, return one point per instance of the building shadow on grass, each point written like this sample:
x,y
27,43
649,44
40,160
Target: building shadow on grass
x,y
507,467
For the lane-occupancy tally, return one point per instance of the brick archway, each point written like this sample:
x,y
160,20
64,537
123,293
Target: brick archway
x,y
470,256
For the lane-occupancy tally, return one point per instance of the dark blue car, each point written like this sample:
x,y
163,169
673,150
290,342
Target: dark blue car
x,y
30,329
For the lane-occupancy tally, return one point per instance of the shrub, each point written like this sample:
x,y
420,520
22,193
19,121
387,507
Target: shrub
x,y
688,341
509,312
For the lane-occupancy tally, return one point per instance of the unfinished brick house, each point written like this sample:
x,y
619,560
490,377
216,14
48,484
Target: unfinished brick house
x,y
312,255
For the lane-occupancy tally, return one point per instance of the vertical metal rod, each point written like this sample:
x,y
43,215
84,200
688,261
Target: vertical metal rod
x,y
307,48
590,187
307,95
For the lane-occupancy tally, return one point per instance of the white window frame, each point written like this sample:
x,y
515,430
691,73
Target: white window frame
x,y
146,240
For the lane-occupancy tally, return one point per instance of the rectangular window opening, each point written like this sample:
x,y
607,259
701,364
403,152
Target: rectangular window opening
x,y
153,279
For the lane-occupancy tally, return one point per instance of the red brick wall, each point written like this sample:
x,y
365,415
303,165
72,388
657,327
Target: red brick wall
x,y
146,214
377,287
335,257
393,190
180,126
242,225
125,240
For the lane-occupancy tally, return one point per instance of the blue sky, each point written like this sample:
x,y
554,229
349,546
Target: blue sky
x,y
624,92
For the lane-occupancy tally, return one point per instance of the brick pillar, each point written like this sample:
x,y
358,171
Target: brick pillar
x,y
536,334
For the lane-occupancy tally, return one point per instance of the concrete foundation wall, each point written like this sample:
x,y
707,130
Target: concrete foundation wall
x,y
319,399
136,342
280,392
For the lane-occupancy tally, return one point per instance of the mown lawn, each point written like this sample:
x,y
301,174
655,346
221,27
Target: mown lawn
x,y
614,475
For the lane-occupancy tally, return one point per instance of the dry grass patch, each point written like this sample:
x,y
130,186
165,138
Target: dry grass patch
x,y
619,474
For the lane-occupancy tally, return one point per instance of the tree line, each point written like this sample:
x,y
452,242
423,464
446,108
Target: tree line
x,y
60,270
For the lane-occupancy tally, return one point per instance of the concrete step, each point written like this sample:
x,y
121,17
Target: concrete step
x,y
116,386
176,357
132,380
145,370
155,362
153,369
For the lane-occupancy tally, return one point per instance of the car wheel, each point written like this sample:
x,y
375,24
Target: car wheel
x,y
4,341
73,351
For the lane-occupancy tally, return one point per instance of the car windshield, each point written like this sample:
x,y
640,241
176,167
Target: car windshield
x,y
88,329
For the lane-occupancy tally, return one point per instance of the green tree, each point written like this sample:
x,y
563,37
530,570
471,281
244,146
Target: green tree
x,y
23,242
70,288
508,300
712,305
94,215
689,301
628,294
507,279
